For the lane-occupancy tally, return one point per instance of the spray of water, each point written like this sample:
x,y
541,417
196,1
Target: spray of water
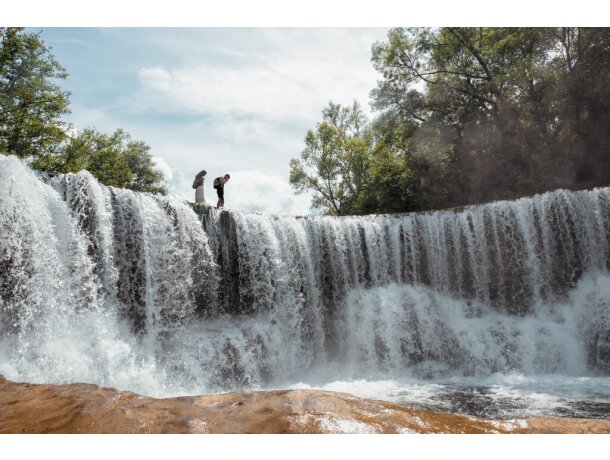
x,y
141,292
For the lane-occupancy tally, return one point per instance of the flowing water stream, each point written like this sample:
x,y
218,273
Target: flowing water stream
x,y
500,309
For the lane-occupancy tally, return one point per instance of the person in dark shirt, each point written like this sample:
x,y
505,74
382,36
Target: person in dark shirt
x,y
219,185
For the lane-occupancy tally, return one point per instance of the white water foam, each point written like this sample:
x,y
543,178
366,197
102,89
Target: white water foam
x,y
136,291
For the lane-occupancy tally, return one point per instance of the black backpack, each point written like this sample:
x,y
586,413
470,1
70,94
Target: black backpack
x,y
217,182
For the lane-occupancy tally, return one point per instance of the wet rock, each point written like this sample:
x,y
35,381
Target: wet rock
x,y
84,408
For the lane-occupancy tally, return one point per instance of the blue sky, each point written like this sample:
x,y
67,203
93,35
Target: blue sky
x,y
236,100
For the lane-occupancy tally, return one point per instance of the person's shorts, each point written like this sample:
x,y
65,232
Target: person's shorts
x,y
221,192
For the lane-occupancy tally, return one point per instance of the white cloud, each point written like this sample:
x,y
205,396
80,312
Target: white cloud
x,y
236,100
263,192
222,90
87,117
249,96
165,169
180,185
248,190
288,74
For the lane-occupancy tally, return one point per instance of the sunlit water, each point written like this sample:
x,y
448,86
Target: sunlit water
x,y
497,310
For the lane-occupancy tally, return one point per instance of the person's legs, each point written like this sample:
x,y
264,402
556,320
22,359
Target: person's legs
x,y
221,201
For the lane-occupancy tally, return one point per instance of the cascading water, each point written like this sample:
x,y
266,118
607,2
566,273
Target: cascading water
x,y
140,292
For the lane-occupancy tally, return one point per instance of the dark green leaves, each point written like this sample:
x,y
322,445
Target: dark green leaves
x,y
116,160
31,107
334,162
31,103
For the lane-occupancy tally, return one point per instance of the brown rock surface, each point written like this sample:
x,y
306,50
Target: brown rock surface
x,y
84,408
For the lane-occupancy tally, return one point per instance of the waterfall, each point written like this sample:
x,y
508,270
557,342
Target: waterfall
x,y
146,293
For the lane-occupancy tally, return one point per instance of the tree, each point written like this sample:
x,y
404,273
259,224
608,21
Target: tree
x,y
335,160
145,177
498,112
115,160
396,178
468,115
31,104
583,69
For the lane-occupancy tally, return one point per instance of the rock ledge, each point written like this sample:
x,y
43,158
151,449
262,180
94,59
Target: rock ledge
x,y
85,408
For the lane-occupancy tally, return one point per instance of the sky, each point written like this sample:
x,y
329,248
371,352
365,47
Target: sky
x,y
239,100
227,100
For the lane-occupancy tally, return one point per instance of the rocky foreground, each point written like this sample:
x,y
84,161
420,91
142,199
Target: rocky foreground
x,y
84,408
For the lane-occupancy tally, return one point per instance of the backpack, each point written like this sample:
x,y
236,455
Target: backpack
x,y
217,182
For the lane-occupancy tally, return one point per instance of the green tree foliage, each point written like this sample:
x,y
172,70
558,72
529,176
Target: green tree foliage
x,y
31,106
335,160
31,103
395,181
468,115
115,160
498,112
145,177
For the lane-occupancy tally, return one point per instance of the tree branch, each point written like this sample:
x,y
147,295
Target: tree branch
x,y
473,51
